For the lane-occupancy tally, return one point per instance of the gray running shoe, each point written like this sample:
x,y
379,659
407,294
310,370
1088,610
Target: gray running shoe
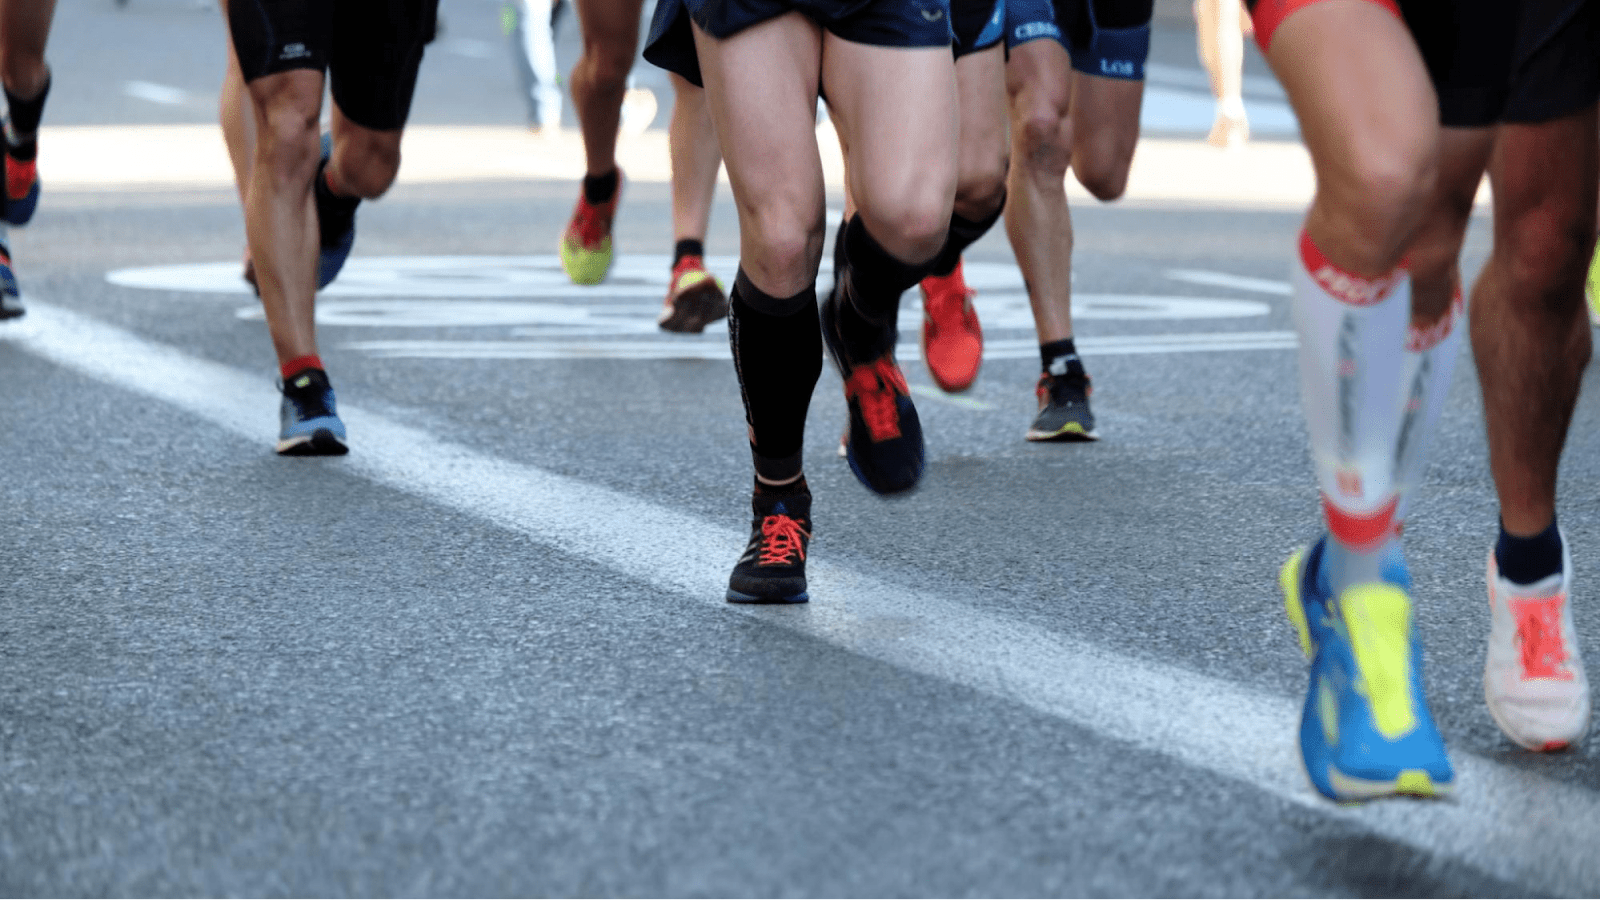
x,y
1064,409
10,297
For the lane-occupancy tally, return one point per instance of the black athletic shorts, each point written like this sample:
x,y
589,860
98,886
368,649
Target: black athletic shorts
x,y
978,24
1501,61
878,23
371,49
1109,38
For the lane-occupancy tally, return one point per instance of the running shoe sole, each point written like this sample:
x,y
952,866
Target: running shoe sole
x,y
779,600
321,442
694,308
1072,432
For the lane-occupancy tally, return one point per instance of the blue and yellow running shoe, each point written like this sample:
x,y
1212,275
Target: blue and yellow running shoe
x,y
1591,289
1365,731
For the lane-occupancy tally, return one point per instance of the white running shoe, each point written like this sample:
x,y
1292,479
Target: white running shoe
x,y
1533,679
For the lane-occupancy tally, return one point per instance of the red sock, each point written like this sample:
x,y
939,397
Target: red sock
x,y
299,364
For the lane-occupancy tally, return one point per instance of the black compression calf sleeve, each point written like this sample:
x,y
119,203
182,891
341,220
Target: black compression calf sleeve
x,y
335,214
964,233
877,279
24,118
777,352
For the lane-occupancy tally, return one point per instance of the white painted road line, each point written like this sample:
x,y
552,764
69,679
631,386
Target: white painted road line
x,y
1516,825
156,93
1233,282
579,347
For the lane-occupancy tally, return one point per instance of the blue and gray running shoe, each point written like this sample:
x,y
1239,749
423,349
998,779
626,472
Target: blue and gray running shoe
x,y
1365,731
10,296
310,424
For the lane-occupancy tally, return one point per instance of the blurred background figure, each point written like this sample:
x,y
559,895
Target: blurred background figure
x,y
1220,27
531,24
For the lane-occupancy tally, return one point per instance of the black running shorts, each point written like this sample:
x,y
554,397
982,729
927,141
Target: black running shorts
x,y
371,49
878,23
1500,61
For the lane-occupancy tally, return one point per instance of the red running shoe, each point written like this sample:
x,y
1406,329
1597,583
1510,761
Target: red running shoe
x,y
952,339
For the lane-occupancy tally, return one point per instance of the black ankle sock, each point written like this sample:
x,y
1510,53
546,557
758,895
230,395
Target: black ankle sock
x,y
777,354
964,233
1530,559
597,189
1059,357
335,214
25,115
687,247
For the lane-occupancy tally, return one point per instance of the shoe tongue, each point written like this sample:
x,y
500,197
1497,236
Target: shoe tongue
x,y
780,509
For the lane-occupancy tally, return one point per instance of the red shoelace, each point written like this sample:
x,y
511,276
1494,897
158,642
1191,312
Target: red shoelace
x,y
1539,637
782,541
876,385
593,223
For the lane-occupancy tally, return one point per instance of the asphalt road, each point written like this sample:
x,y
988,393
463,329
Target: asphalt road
x,y
487,653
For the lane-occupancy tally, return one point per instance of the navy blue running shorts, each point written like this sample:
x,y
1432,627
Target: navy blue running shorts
x,y
978,24
877,23
1108,38
370,49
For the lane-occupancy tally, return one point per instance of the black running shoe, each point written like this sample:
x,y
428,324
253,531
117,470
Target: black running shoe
x,y
773,567
884,440
1064,408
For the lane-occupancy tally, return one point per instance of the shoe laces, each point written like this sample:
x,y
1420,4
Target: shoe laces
x,y
1061,390
688,265
591,222
20,176
1539,638
945,300
782,540
875,387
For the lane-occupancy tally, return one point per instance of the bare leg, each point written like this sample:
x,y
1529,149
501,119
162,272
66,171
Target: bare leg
x,y
1039,80
695,160
24,30
1529,332
280,217
1219,27
238,124
600,77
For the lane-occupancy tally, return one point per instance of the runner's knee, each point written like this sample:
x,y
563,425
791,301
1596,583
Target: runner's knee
x,y
784,244
1546,252
981,185
1376,200
289,143
366,165
1044,137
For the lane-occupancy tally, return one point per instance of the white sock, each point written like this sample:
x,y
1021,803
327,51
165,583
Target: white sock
x,y
1352,333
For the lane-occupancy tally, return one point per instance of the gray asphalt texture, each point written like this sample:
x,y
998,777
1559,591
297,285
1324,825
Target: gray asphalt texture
x,y
225,673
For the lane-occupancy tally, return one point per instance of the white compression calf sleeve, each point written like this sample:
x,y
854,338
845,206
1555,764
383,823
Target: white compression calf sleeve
x,y
1430,364
1352,333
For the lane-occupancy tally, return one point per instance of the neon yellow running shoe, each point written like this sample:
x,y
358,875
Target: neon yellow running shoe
x,y
1591,288
586,244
